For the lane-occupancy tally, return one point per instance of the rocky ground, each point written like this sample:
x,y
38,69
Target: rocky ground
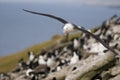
x,y
82,58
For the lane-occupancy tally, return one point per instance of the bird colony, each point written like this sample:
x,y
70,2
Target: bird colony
x,y
81,58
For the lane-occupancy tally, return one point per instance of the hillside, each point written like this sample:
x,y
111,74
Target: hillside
x,y
81,57
9,62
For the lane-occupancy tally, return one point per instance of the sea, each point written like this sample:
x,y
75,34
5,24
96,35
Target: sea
x,y
20,30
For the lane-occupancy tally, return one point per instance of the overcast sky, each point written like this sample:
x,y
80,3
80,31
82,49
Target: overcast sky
x,y
89,2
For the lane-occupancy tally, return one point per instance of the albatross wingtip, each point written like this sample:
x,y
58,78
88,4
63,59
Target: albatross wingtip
x,y
25,10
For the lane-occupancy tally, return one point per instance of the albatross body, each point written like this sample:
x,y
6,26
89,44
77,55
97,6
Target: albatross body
x,y
70,27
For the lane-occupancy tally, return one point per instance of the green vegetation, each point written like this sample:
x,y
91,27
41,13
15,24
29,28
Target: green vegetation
x,y
9,62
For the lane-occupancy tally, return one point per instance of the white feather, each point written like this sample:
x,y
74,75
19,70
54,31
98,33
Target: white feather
x,y
32,56
74,59
41,60
68,28
28,71
97,48
51,62
76,43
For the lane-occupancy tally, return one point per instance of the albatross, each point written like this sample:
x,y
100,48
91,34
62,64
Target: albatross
x,y
71,27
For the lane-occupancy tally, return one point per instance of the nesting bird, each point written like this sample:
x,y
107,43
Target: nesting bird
x,y
41,60
75,58
51,62
76,43
31,55
54,60
98,49
30,74
4,76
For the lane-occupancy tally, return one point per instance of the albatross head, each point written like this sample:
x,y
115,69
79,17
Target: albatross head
x,y
68,27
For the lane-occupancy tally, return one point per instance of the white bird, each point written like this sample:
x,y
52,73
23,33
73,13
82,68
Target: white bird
x,y
31,74
31,55
74,59
41,60
70,27
76,43
56,53
4,76
97,48
28,73
58,68
51,62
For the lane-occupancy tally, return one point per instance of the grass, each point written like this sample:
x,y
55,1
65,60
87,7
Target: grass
x,y
8,63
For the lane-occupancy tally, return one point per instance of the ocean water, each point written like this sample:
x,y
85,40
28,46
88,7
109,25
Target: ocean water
x,y
19,30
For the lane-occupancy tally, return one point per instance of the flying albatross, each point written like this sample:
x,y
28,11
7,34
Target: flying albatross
x,y
70,27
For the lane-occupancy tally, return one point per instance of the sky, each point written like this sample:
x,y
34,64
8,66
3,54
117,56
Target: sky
x,y
20,30
71,2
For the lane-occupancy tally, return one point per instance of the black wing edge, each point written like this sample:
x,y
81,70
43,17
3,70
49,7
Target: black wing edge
x,y
98,39
48,15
